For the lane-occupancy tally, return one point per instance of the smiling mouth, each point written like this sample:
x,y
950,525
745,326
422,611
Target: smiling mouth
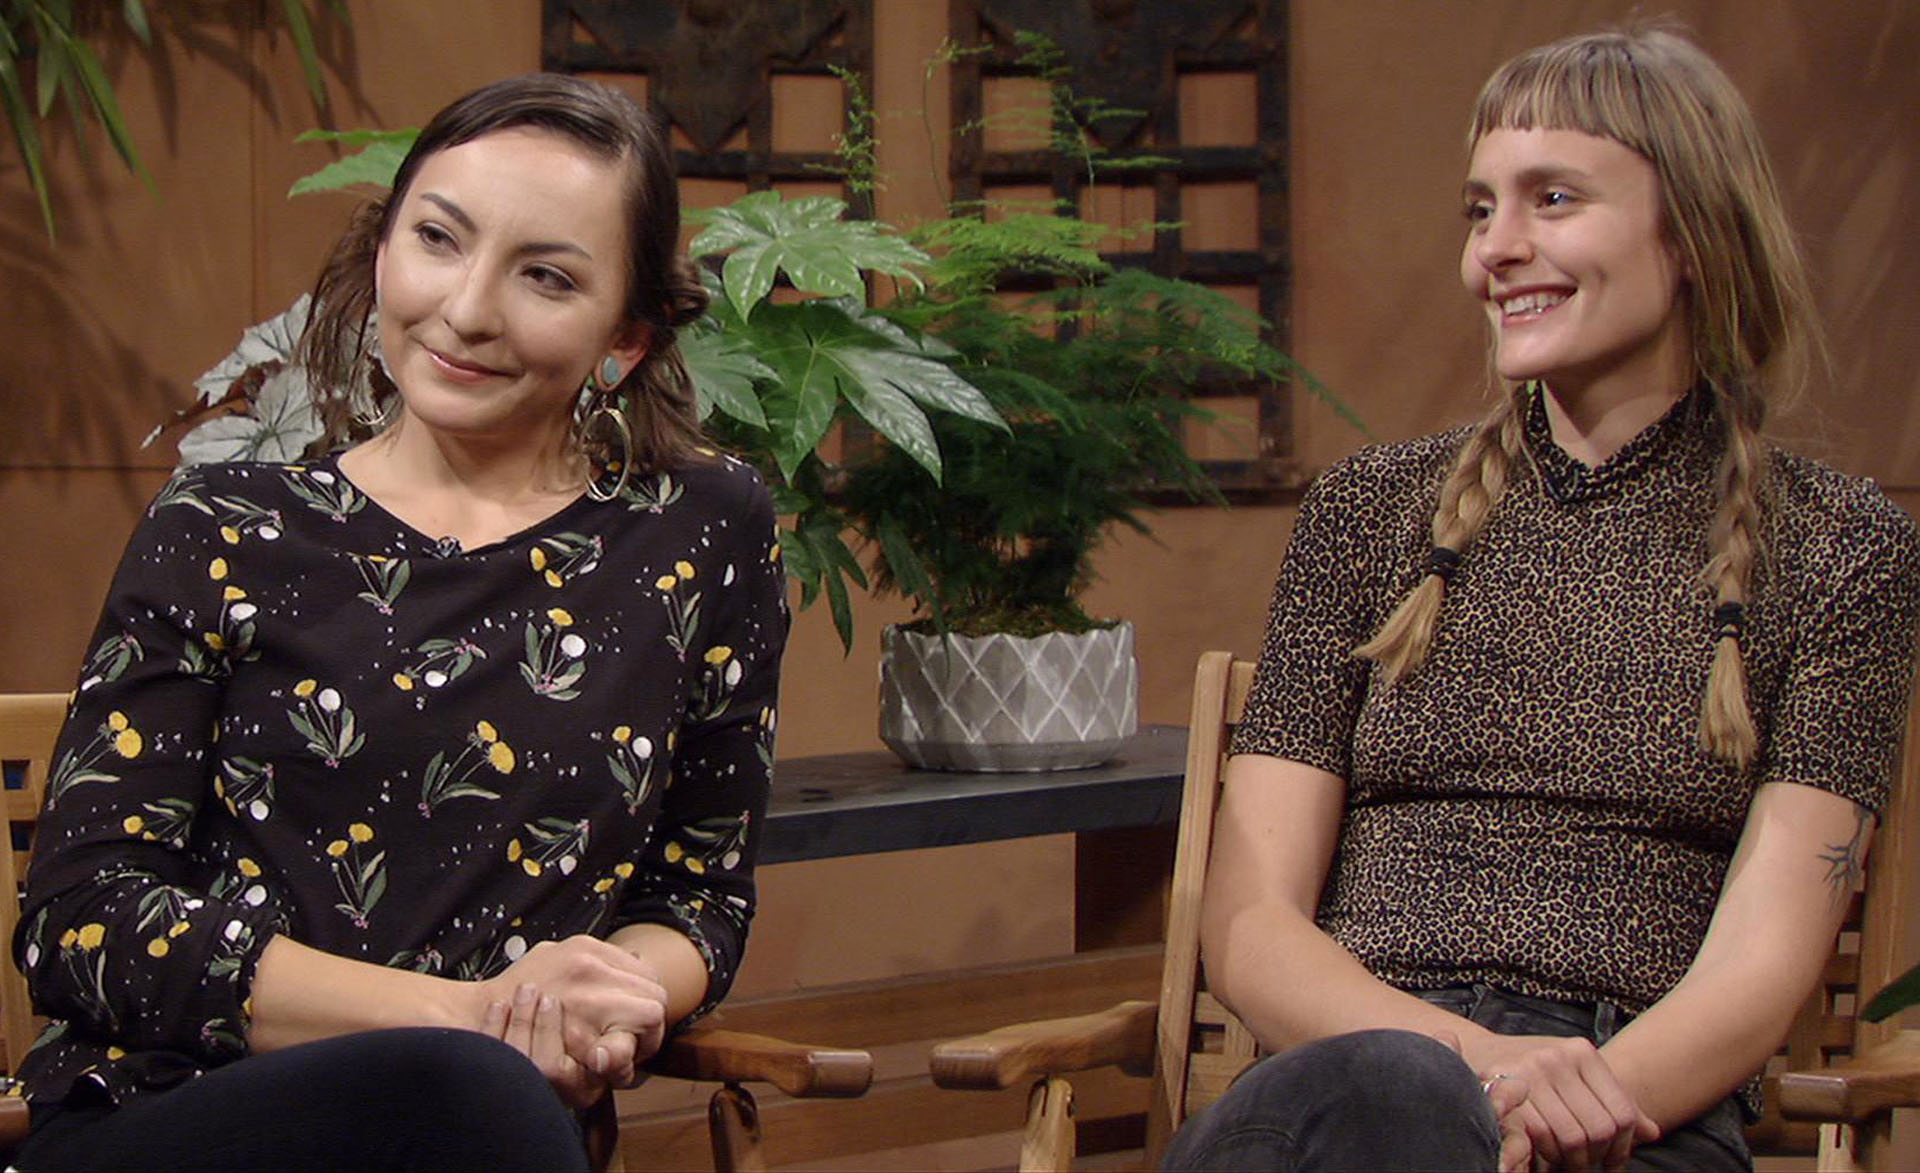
x,y
1526,306
466,372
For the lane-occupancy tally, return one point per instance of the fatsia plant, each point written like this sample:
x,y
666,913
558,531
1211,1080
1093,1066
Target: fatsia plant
x,y
783,373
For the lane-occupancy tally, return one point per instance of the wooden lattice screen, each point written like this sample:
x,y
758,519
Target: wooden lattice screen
x,y
712,69
1223,179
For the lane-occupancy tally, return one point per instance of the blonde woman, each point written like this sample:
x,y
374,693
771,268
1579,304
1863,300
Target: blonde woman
x,y
410,794
1571,726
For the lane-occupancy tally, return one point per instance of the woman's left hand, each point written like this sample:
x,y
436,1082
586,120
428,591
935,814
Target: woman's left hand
x,y
534,1024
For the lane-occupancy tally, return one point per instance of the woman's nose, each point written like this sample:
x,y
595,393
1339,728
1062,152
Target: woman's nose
x,y
1503,240
471,308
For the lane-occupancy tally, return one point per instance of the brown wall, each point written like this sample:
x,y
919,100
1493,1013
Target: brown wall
x,y
104,331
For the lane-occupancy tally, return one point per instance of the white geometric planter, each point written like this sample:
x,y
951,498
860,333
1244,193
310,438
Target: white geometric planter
x,y
1008,703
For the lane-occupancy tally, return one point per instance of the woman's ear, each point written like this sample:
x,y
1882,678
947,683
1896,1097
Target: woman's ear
x,y
630,347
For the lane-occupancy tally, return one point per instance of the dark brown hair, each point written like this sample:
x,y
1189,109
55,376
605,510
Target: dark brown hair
x,y
663,289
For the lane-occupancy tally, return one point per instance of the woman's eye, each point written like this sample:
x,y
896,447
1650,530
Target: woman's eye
x,y
1477,212
434,236
1555,198
551,280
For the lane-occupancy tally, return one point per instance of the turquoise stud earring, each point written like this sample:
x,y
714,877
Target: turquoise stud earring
x,y
610,372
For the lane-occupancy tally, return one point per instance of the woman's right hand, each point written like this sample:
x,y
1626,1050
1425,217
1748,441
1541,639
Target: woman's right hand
x,y
1577,1115
613,1007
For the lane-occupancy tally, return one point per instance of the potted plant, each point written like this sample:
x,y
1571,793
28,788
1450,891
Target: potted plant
x,y
1003,669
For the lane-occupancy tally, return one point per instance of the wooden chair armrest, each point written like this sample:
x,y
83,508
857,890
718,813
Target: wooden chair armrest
x,y
13,1121
1885,1076
1016,1054
707,1052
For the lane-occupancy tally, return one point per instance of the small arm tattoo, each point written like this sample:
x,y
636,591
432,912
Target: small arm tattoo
x,y
1846,862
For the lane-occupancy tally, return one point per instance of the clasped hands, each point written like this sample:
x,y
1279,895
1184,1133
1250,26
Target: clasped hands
x,y
586,1013
1559,1104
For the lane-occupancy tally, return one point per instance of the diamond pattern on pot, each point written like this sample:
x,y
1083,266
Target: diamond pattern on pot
x,y
1054,690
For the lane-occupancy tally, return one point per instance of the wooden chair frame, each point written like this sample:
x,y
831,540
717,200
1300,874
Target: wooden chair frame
x,y
29,725
1194,1046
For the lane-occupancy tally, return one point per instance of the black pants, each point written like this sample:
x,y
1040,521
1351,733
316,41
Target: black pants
x,y
392,1101
1393,1100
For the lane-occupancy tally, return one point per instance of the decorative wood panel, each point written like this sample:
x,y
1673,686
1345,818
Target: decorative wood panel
x,y
1148,56
710,67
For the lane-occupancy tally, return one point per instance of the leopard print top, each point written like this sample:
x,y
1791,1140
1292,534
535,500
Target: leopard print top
x,y
1530,808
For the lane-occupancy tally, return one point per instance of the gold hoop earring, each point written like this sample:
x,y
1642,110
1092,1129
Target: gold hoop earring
x,y
621,429
376,419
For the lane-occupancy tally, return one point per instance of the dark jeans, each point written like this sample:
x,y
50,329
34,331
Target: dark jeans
x,y
1396,1100
392,1101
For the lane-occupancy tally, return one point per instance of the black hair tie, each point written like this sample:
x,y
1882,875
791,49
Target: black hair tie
x,y
1729,620
1443,561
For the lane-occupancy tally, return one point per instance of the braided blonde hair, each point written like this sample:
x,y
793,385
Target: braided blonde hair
x,y
1749,310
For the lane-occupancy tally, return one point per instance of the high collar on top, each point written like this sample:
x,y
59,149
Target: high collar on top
x,y
1686,437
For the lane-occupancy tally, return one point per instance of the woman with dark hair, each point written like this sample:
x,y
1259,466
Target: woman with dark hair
x,y
462,731
1571,727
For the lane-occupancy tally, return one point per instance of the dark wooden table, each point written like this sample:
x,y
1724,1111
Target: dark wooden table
x,y
860,803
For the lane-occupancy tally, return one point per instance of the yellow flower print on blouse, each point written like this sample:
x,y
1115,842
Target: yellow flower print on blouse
x,y
555,842
116,736
683,607
436,662
323,717
451,778
709,843
564,556
360,876
632,763
555,657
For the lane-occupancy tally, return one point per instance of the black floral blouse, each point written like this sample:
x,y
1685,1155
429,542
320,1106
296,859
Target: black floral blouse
x,y
301,716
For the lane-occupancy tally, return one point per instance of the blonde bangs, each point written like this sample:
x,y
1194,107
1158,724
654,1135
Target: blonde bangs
x,y
1588,84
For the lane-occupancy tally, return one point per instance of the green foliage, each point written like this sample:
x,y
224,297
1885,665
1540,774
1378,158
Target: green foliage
x,y
1899,994
64,68
764,235
1091,378
373,165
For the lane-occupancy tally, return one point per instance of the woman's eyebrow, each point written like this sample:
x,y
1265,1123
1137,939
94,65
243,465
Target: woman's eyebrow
x,y
460,217
452,209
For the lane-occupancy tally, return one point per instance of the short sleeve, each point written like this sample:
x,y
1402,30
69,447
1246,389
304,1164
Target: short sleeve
x,y
1842,706
1326,601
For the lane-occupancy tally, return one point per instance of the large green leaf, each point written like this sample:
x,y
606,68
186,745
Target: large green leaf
x,y
374,164
764,235
724,372
932,383
820,354
302,30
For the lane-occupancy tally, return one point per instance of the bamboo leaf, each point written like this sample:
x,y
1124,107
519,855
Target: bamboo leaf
x,y
106,107
26,133
50,68
136,17
302,30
